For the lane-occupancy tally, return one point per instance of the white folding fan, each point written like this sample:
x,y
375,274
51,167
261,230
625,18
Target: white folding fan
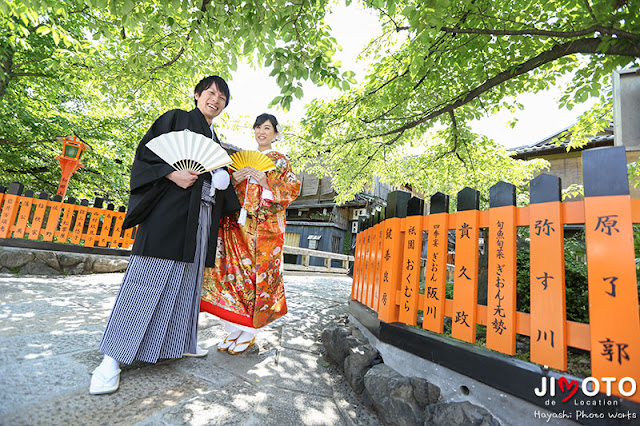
x,y
254,159
186,150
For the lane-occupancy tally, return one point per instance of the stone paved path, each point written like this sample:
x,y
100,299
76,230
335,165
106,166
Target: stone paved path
x,y
50,329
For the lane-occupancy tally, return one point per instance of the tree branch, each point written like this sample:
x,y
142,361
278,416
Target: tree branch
x,y
13,143
29,74
584,46
6,62
171,62
546,33
14,66
593,16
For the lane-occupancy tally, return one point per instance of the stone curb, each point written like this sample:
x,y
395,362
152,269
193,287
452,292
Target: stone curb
x,y
47,262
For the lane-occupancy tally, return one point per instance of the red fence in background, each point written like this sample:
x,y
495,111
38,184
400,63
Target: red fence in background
x,y
41,219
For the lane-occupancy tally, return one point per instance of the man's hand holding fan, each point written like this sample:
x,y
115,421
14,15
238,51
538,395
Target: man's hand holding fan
x,y
190,154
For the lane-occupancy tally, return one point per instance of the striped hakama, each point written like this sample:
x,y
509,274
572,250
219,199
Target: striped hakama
x,y
155,315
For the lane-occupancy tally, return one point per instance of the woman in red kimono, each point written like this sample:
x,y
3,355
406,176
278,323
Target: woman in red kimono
x,y
245,288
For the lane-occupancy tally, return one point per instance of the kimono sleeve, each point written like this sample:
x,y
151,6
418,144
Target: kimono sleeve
x,y
147,171
147,166
284,185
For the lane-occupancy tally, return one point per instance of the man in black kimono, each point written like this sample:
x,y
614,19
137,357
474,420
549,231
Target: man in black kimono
x,y
177,212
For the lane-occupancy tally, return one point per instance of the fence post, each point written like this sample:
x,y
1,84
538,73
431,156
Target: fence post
x,y
364,271
81,216
397,204
391,264
374,256
10,209
38,216
613,292
547,284
94,222
52,219
358,265
415,206
410,281
65,225
26,201
465,282
501,288
377,256
103,232
369,268
435,280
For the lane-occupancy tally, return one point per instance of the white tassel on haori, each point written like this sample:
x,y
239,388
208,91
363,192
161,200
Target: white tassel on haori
x,y
242,218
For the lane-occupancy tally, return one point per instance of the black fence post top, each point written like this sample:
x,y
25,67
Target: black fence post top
x,y
362,223
15,188
29,193
397,202
415,206
468,199
44,195
98,203
545,188
84,202
605,171
502,194
439,203
57,198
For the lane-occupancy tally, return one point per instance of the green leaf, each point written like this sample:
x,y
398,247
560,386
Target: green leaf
x,y
127,7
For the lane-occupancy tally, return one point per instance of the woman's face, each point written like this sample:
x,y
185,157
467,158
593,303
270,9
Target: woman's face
x,y
265,134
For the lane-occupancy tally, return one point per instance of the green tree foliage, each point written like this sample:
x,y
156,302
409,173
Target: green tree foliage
x,y
106,68
575,270
443,63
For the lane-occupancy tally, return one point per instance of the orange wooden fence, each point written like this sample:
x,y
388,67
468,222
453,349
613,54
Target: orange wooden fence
x,y
41,219
388,257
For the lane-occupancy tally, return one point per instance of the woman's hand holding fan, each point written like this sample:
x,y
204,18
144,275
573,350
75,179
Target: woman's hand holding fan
x,y
251,165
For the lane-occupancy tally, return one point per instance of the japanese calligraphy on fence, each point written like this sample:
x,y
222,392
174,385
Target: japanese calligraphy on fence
x,y
410,281
436,264
501,288
548,306
465,284
613,294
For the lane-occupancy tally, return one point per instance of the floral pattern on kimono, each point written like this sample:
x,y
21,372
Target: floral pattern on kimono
x,y
246,286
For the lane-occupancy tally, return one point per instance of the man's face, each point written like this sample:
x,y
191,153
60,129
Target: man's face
x,y
210,102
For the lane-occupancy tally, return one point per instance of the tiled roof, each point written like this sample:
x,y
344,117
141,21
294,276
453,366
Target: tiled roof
x,y
548,146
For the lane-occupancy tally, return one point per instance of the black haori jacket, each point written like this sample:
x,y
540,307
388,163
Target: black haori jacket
x,y
167,215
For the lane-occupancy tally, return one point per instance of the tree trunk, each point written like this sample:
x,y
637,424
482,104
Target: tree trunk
x,y
6,62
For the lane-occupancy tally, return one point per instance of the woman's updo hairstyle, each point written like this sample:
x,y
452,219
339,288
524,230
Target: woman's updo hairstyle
x,y
264,117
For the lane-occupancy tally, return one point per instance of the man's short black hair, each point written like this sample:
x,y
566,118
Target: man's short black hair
x,y
206,82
